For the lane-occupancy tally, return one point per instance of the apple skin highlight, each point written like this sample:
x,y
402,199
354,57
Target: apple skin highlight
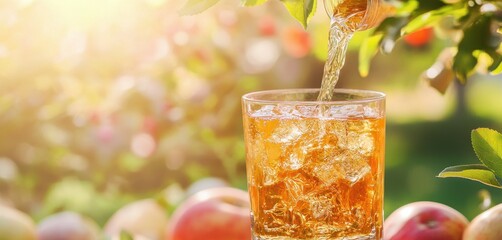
x,y
425,220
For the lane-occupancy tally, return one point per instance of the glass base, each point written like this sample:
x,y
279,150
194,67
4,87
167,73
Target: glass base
x,y
367,237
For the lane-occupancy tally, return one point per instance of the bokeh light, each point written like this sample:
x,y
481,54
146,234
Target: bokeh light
x,y
105,102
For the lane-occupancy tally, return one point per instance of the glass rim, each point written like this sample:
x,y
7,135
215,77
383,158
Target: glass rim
x,y
370,96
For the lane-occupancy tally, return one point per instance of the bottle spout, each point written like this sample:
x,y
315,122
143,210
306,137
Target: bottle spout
x,y
359,15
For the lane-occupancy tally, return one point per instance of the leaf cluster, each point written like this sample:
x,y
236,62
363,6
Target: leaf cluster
x,y
478,23
301,10
487,144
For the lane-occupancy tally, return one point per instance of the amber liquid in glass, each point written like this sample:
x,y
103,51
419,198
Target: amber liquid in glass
x,y
314,177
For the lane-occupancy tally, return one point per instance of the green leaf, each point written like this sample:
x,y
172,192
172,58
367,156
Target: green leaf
x,y
479,36
497,70
302,10
406,8
429,5
497,63
196,6
487,144
252,2
463,64
432,17
476,37
383,37
476,172
125,235
391,28
368,49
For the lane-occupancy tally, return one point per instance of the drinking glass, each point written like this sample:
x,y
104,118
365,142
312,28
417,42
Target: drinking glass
x,y
315,169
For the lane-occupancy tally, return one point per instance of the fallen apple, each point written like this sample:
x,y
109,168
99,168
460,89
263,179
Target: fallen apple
x,y
16,225
212,214
67,226
145,218
425,221
486,226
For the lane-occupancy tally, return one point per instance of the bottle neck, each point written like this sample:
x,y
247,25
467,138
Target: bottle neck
x,y
359,15
373,15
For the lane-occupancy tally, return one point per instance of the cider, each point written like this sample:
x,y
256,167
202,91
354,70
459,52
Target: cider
x,y
315,177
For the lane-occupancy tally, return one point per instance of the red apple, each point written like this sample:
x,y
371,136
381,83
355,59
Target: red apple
x,y
424,221
145,218
419,38
212,214
296,42
267,26
486,226
16,225
67,226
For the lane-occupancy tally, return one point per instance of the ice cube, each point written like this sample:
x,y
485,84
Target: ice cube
x,y
307,111
336,133
286,111
354,136
344,111
294,161
371,112
319,163
352,166
270,176
362,143
288,132
277,211
321,207
327,172
264,111
265,158
346,164
295,187
294,157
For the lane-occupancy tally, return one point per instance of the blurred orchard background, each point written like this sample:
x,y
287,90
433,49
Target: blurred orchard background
x,y
106,102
